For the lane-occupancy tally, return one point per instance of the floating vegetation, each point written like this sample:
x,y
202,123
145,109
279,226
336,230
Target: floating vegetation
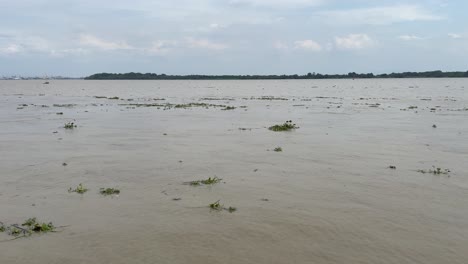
x,y
278,149
269,98
216,206
109,191
59,113
435,171
392,167
64,105
29,227
216,99
80,189
69,125
198,105
34,226
209,181
229,108
100,97
113,98
412,107
434,126
287,126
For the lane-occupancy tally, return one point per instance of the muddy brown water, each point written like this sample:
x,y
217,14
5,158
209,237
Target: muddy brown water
x,y
328,197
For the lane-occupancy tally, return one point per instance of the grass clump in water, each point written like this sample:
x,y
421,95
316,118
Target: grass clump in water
x,y
228,108
109,191
34,226
216,206
209,181
69,125
80,189
287,126
278,149
435,171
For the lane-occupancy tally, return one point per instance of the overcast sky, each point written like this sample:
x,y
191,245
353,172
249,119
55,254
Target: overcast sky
x,y
78,38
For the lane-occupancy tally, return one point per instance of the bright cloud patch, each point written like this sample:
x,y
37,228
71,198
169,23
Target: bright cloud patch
x,y
409,37
92,41
10,49
205,44
307,44
454,36
354,42
278,3
380,15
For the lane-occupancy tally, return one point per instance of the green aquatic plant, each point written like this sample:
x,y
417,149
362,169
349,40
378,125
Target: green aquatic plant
x,y
2,227
114,98
278,149
109,191
80,189
209,181
14,231
34,226
69,125
228,108
287,126
216,206
435,171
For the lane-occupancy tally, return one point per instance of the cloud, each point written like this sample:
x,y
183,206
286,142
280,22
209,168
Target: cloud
x,y
454,36
354,42
278,3
204,44
162,47
409,37
10,49
379,15
95,42
307,44
279,45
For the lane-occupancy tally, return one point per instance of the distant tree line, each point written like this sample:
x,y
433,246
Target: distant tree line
x,y
351,75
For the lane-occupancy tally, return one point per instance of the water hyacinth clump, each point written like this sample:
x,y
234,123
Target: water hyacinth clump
x,y
109,191
287,126
69,125
435,171
216,206
80,189
34,226
209,181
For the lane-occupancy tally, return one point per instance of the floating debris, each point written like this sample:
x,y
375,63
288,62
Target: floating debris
x,y
216,206
109,191
435,171
69,125
209,181
278,149
80,189
287,126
